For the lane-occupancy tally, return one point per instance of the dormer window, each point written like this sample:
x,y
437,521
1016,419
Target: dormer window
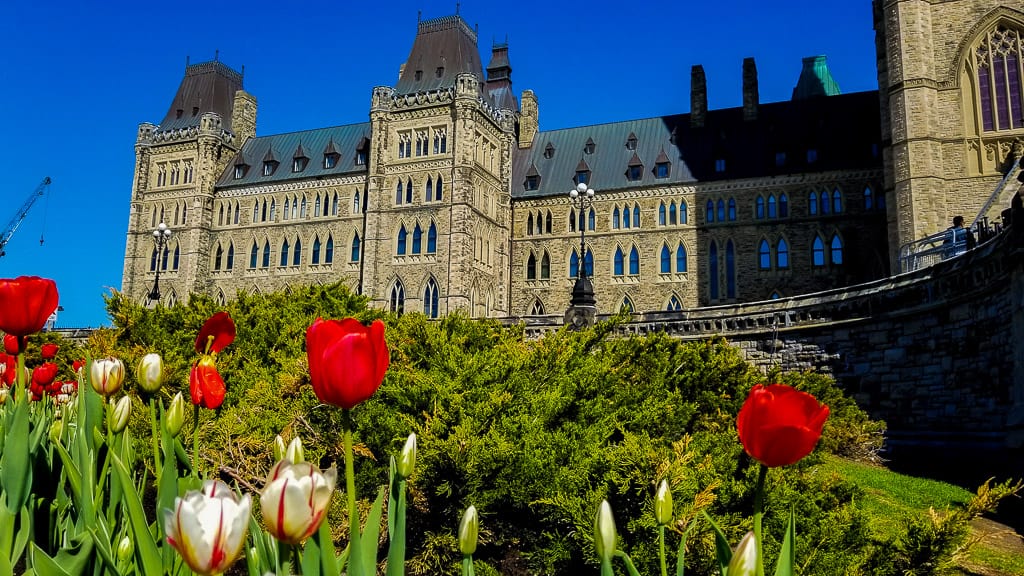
x,y
439,72
532,182
583,176
269,167
631,142
635,169
661,170
360,157
588,148
812,156
720,165
419,75
549,151
330,161
780,159
299,164
240,170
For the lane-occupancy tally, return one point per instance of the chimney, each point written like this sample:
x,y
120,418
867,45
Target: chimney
x,y
750,97
529,120
698,96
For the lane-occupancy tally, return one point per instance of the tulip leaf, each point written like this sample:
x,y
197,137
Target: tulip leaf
x,y
630,567
15,467
5,566
722,549
146,550
101,539
72,561
368,539
265,560
396,529
21,538
788,553
328,560
71,472
681,554
310,558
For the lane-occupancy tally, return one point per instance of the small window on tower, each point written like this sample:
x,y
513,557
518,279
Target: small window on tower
x,y
812,156
634,173
532,182
549,151
419,75
239,171
360,157
720,165
582,176
661,170
631,142
439,72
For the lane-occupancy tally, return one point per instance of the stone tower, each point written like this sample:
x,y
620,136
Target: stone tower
x,y
949,81
177,164
437,220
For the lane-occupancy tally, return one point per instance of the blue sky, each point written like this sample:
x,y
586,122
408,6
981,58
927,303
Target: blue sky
x,y
78,78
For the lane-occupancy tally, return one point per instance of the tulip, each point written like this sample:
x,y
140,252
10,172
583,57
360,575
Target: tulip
x,y
119,415
779,425
744,559
3,394
150,373
295,453
205,385
347,360
28,302
217,332
44,374
663,504
208,527
77,365
174,419
407,459
107,375
11,345
279,448
604,533
295,499
48,350
125,548
468,529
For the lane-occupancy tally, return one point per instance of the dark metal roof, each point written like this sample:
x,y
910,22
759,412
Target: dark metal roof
x,y
343,140
444,48
843,131
206,87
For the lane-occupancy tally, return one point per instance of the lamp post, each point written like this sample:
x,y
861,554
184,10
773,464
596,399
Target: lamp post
x,y
582,305
160,237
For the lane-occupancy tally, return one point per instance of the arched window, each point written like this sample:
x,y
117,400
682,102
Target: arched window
x,y
284,213
220,216
355,202
237,212
774,295
591,220
430,299
398,193
721,210
713,271
529,225
709,212
531,267
295,207
683,218
772,207
545,266
440,184
634,261
572,220
218,257
618,262
302,208
627,305
177,256
636,216
627,221
315,257
588,263
759,208
253,255
329,249
163,259
297,252
615,218
152,260
432,239
273,210
783,205
662,219
837,201
398,297
812,203
681,258
221,299
429,192
547,223
674,303
537,309
334,203
672,213
837,249
764,255
263,212
824,203
408,191
284,253
869,203
266,254
402,234
996,64
782,254
574,264
666,259
316,206
417,239
730,270
732,210
231,257
818,252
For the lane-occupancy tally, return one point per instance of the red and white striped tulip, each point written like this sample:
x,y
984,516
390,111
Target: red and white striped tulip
x,y
295,499
208,527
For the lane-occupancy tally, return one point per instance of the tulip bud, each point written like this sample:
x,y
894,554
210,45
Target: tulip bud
x,y
744,559
663,504
125,548
468,531
107,375
11,344
150,373
119,414
407,459
3,394
279,448
56,428
604,532
295,453
174,419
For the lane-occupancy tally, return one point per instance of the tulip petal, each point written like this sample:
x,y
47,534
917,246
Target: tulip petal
x,y
221,328
28,301
779,425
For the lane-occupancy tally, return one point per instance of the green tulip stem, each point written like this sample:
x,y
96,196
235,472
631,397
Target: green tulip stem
x,y
22,387
350,487
195,441
661,550
467,565
758,513
154,420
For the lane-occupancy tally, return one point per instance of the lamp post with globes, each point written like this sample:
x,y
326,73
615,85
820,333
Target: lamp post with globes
x,y
582,310
160,237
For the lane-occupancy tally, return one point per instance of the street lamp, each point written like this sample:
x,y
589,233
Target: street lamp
x,y
160,237
582,305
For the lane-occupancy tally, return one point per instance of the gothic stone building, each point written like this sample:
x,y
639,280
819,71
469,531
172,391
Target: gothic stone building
x,y
450,197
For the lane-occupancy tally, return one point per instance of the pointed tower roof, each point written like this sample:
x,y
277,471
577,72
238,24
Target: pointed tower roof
x,y
269,157
815,80
330,149
499,79
444,48
206,87
635,160
299,152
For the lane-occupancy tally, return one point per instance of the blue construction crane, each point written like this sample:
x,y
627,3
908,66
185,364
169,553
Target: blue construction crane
x,y
19,216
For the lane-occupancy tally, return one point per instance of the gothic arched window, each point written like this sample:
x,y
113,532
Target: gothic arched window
x,y
997,69
398,297
430,299
432,239
666,259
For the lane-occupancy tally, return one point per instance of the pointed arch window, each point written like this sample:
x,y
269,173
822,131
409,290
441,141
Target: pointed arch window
x,y
732,210
627,221
618,262
398,194
231,257
574,264
432,239
266,254
730,270
759,208
408,191
837,201
672,213
782,254
818,252
666,259
316,207
273,210
297,252
163,258
218,257
683,217
417,239
709,212
721,210
537,309
764,255
636,215
153,260
824,203
334,203
237,212
588,263
284,213
439,186
253,255
996,63
220,216
662,218
531,267
529,225
429,192
615,218
402,236
681,265
812,203
398,297
836,249
783,205
177,256
772,207
315,256
547,223
545,266
263,212
302,208
674,303
627,305
284,253
430,299
591,220
774,295
713,270
869,199
634,261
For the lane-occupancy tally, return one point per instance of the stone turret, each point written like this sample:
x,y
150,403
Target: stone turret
x,y
751,99
529,121
698,96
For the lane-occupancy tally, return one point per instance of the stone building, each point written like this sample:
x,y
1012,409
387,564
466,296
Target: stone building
x,y
452,197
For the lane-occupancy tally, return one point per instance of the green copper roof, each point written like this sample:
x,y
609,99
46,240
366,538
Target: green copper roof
x,y
815,80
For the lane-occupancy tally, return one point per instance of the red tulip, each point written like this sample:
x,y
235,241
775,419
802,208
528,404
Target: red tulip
x,y
48,350
347,360
26,303
205,384
77,365
11,345
778,425
43,375
217,332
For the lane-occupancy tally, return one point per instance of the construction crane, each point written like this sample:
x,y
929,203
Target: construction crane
x,y
19,216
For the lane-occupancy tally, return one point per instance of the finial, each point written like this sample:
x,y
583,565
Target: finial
x,y
419,16
216,55
186,61
457,4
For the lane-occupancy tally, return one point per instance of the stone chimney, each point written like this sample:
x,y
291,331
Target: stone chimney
x,y
243,116
528,118
698,96
750,97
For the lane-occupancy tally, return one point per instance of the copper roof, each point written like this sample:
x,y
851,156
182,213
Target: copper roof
x,y
444,48
206,87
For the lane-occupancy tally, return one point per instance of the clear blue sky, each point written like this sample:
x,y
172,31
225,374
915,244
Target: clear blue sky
x,y
78,78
